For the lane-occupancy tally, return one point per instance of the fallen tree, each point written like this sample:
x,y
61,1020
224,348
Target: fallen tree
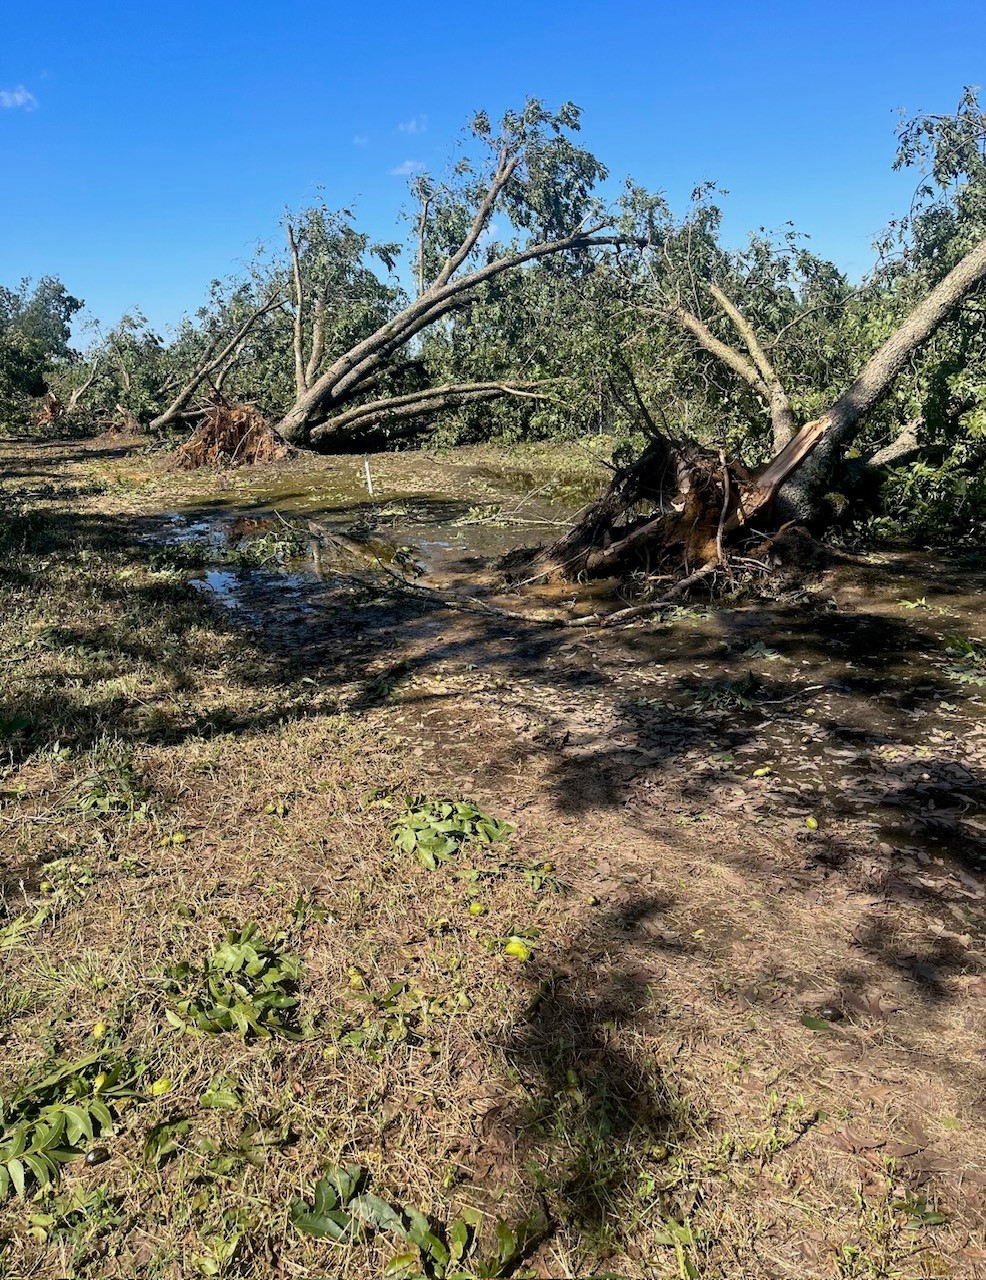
x,y
213,365
681,507
540,182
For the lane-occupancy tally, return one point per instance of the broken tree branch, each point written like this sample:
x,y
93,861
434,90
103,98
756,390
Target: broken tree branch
x,y
420,404
210,361
781,414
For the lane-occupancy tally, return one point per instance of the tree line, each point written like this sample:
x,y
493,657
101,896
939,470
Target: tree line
x,y
524,304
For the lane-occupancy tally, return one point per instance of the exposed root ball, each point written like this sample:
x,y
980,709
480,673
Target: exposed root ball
x,y
50,410
232,435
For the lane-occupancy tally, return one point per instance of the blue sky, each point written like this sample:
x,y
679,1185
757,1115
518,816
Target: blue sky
x,y
146,150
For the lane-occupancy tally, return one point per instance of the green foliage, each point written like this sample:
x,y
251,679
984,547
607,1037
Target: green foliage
x,y
727,695
597,330
343,1210
969,665
164,1140
67,879
246,985
77,1218
436,830
34,336
929,501
275,546
112,785
918,1212
51,1121
403,1014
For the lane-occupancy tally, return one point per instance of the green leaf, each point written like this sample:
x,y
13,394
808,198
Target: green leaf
x,y
40,1167
78,1125
420,1233
344,1180
815,1024
335,1225
458,1238
403,1265
100,1112
377,1213
16,1171
506,1241
221,1099
162,1140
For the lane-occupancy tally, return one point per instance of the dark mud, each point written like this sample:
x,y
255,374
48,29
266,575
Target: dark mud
x,y
837,718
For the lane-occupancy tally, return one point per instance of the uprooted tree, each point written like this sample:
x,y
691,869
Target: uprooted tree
x,y
533,177
699,501
679,507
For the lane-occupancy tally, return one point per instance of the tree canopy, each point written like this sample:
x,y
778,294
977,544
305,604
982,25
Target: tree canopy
x,y
526,300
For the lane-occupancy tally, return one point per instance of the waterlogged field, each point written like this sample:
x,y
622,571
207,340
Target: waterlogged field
x,y
346,934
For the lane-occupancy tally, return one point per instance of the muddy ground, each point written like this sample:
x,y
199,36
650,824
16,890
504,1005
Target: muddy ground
x,y
771,818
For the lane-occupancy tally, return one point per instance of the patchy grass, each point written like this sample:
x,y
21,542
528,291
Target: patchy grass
x,y
570,1048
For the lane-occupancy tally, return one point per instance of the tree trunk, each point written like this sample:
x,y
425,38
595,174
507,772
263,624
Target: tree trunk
x,y
711,504
418,404
348,374
803,486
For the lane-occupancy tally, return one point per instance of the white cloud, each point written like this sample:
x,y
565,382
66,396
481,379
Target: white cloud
x,y
406,168
19,97
417,124
360,140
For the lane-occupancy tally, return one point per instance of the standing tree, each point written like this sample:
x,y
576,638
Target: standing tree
x,y
35,330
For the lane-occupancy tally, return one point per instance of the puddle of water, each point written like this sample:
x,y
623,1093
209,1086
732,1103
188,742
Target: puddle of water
x,y
224,584
886,728
478,515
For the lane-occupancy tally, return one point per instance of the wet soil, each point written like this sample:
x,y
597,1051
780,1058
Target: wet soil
x,y
835,717
767,813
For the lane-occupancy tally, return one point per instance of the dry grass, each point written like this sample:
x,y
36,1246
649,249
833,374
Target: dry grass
x,y
643,1084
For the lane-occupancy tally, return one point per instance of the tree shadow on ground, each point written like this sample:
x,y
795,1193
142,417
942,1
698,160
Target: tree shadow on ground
x,y
657,727
592,1111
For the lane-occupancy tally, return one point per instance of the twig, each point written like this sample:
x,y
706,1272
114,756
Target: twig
x,y
773,702
638,610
